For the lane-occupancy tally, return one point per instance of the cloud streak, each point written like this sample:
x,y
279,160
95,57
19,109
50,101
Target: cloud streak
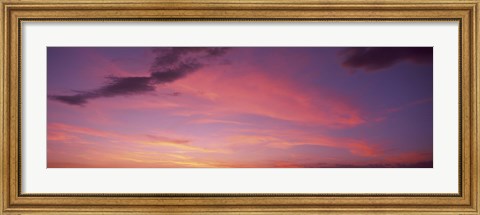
x,y
274,97
378,58
287,139
169,65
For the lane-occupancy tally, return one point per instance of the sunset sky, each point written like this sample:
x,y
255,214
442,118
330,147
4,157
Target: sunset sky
x,y
259,107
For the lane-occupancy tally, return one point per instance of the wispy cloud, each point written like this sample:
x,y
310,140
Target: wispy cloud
x,y
73,129
180,144
67,132
383,115
216,121
409,105
286,139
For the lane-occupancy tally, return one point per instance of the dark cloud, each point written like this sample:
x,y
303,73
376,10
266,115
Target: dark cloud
x,y
423,164
172,74
171,56
78,99
377,58
125,86
169,65
115,86
174,94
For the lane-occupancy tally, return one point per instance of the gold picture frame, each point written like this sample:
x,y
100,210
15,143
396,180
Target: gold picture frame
x,y
15,12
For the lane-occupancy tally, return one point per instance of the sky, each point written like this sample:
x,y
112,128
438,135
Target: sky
x,y
239,107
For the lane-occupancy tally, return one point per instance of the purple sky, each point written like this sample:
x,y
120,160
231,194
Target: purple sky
x,y
240,107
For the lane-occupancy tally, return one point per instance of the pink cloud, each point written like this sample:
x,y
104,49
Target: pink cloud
x,y
285,139
409,105
217,121
384,115
119,145
59,127
254,92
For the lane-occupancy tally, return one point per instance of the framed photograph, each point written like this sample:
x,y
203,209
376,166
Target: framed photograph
x,y
251,107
